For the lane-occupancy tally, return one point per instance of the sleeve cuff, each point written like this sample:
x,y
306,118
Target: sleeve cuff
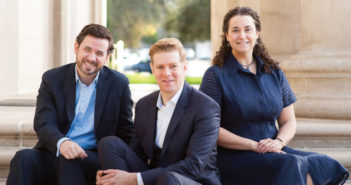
x,y
139,179
59,145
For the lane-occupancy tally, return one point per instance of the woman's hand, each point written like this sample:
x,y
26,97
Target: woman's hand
x,y
269,145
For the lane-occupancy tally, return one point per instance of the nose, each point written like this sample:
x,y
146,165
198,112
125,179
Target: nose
x,y
91,57
167,71
242,34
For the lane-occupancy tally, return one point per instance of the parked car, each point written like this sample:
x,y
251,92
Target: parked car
x,y
142,66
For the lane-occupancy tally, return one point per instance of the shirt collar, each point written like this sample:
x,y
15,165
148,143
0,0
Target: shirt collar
x,y
233,64
174,99
77,76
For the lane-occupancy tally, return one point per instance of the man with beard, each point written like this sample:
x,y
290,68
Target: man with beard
x,y
77,105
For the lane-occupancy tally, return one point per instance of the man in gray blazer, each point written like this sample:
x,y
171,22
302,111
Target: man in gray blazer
x,y
176,130
77,105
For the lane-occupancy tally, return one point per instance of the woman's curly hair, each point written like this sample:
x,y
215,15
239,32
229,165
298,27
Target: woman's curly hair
x,y
259,49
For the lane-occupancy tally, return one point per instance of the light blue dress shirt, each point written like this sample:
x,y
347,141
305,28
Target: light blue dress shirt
x,y
82,127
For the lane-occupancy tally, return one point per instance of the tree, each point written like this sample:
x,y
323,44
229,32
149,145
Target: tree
x,y
134,21
192,21
130,20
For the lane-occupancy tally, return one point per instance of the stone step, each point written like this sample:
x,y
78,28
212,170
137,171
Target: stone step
x,y
318,133
16,130
342,155
16,126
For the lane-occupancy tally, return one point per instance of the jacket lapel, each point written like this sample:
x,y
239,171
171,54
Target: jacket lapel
x,y
150,129
179,110
101,93
69,85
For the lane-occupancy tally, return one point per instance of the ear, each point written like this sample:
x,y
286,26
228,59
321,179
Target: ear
x,y
257,34
152,67
185,66
76,47
108,57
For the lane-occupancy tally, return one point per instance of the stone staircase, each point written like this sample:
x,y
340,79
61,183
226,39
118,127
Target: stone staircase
x,y
331,137
16,132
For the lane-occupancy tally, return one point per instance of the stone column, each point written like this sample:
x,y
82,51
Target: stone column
x,y
25,46
311,39
320,71
39,35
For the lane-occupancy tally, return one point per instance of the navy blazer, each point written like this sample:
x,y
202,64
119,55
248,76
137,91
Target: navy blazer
x,y
55,107
190,143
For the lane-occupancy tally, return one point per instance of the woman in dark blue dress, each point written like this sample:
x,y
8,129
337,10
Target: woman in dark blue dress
x,y
253,94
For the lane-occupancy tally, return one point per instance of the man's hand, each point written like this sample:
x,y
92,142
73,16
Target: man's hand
x,y
71,150
115,177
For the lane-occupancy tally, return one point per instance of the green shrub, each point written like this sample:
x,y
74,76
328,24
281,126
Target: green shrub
x,y
145,78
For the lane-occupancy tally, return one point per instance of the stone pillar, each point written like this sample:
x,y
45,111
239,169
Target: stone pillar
x,y
311,40
39,35
24,46
8,47
320,71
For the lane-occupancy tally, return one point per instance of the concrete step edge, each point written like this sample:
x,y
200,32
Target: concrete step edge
x,y
320,127
18,128
305,127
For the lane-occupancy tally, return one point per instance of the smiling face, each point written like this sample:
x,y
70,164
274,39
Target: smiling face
x,y
91,55
169,71
242,34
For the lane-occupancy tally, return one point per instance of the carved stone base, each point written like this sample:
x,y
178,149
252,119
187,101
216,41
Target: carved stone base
x,y
322,85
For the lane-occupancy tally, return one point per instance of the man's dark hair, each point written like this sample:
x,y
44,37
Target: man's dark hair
x,y
97,31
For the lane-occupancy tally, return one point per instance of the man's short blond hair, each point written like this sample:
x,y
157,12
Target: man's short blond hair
x,y
166,45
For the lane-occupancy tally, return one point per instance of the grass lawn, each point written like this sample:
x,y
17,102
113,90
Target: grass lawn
x,y
146,78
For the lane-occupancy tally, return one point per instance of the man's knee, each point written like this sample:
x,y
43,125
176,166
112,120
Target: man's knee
x,y
77,171
25,166
168,177
111,144
62,162
110,141
24,157
174,178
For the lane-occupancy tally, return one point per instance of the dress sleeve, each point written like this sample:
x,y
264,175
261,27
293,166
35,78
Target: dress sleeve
x,y
211,86
288,96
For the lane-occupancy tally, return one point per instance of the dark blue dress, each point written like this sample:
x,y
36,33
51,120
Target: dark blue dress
x,y
250,105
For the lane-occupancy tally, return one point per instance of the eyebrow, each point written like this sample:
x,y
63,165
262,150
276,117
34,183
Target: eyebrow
x,y
100,51
244,26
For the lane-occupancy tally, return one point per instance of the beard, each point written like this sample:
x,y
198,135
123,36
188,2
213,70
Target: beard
x,y
88,68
